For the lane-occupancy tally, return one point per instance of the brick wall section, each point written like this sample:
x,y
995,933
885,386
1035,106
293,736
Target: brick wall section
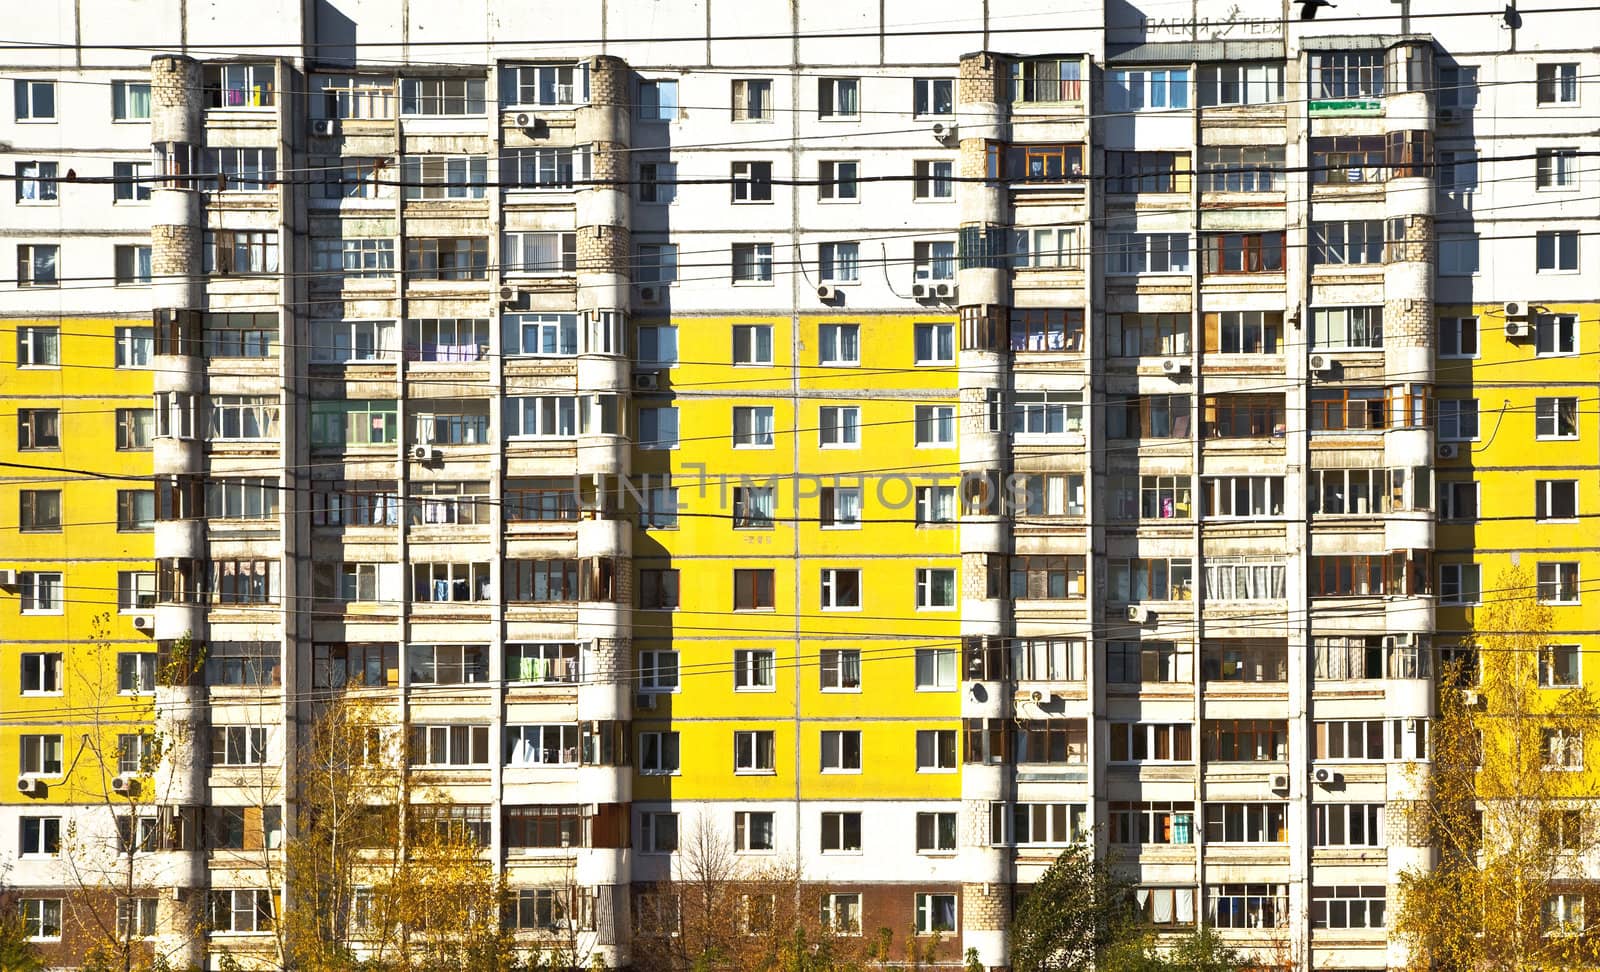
x,y
174,251
609,82
610,163
604,249
611,655
1405,822
974,586
989,911
982,79
1408,318
973,162
174,82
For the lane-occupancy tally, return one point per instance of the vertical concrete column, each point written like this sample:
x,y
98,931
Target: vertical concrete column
x,y
982,276
604,299
1409,346
178,294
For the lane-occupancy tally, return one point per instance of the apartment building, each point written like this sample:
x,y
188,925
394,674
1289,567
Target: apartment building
x,y
897,445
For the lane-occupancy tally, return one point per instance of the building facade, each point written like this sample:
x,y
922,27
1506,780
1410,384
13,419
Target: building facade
x,y
898,445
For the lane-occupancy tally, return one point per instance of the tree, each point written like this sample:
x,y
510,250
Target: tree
x,y
17,954
1202,951
1502,808
1072,918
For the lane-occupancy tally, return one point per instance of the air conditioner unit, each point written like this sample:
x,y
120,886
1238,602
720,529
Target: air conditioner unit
x,y
943,130
1324,777
649,295
1280,783
324,127
125,785
144,622
920,291
1515,308
826,292
1518,329
644,700
421,453
1174,366
945,290
646,380
8,578
525,120
1140,615
1036,696
1447,450
28,786
1320,364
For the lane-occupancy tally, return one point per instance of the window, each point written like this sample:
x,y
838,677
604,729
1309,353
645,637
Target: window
x,y
753,426
244,417
752,182
935,670
1246,823
544,581
754,670
836,181
1229,253
239,335
238,746
933,97
446,176
37,267
36,182
935,504
841,913
136,590
658,753
753,830
838,98
933,179
754,751
1046,79
445,582
449,745
539,253
1242,496
1046,659
1046,248
1558,582
1458,338
548,85
839,426
841,589
131,265
1338,75
752,99
752,344
1347,825
1556,84
541,745
1244,740
136,509
1241,168
658,101
526,168
1561,749
1556,168
1244,578
658,589
136,670
1562,914
840,669
131,181
1224,85
752,590
240,169
1458,87
656,345
658,182
1557,251
936,588
1052,578
933,344
1130,253
41,673
752,263
35,100
1347,243
935,425
1348,159
1132,662
1458,501
936,832
658,671
241,251
1556,418
1458,171
1459,583
467,258
658,428
1458,419
41,917
935,913
1245,660
1556,334
839,507
1136,172
1146,742
1247,905
352,97
841,833
1157,822
658,263
1556,499
241,911
839,263
934,261
40,755
41,591
1559,666
1347,906
343,341
40,511
838,344
441,96
1158,89
136,918
936,753
1046,413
